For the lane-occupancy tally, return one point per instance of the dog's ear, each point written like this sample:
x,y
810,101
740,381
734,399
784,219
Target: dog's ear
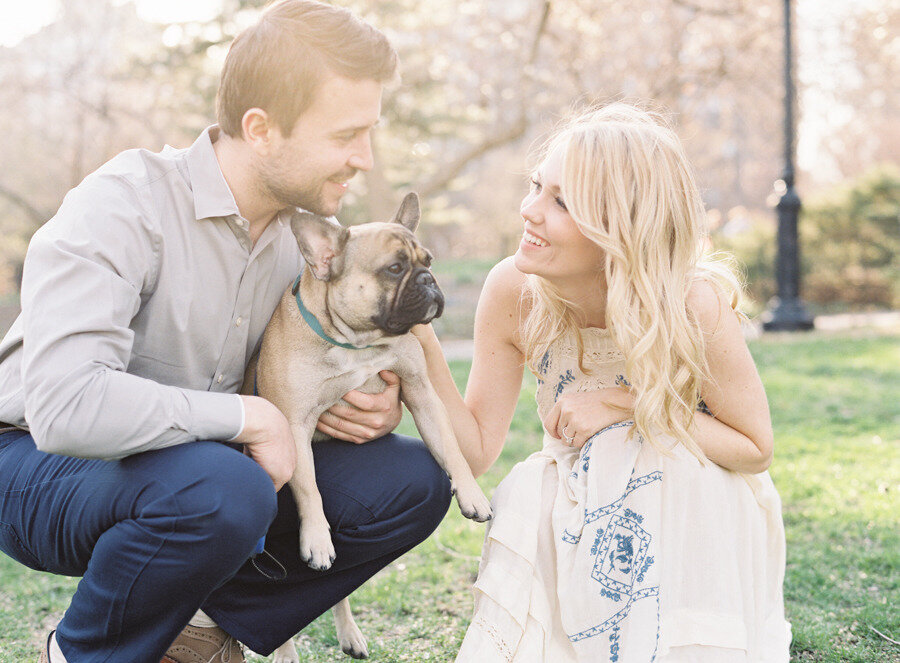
x,y
321,242
408,214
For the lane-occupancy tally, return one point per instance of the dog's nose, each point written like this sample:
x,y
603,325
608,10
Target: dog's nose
x,y
424,278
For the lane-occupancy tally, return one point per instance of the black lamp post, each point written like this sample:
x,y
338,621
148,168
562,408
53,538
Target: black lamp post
x,y
786,312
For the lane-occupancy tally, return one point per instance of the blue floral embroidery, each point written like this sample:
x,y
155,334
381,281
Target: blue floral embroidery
x,y
613,596
544,364
614,643
563,381
618,617
622,381
631,514
585,457
633,484
621,548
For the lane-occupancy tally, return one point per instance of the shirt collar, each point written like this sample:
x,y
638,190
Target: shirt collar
x,y
212,197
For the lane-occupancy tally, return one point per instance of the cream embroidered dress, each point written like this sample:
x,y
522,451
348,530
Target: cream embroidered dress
x,y
619,553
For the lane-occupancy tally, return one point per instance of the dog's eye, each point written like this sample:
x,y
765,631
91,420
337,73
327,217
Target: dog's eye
x,y
396,268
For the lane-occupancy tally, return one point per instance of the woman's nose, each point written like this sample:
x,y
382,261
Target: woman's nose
x,y
530,210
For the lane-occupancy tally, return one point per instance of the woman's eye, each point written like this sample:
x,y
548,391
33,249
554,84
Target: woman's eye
x,y
561,203
535,185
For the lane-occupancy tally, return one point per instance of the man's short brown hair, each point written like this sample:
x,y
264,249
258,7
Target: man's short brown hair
x,y
278,63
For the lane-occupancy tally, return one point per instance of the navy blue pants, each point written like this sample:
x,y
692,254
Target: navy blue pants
x,y
157,535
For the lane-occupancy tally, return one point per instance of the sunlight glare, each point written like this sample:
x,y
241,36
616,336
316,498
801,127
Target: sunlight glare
x,y
26,19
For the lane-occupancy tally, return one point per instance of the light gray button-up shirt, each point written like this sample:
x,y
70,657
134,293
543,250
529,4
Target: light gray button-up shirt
x,y
143,299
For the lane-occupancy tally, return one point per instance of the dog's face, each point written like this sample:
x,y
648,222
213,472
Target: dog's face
x,y
377,274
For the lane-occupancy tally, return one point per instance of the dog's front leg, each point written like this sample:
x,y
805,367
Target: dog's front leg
x,y
353,642
316,547
434,425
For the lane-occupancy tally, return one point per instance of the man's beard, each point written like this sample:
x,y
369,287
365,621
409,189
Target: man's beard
x,y
309,198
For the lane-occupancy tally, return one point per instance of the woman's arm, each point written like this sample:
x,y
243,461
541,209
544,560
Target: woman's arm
x,y
739,434
482,420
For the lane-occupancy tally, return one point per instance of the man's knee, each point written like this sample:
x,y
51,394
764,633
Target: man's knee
x,y
427,489
223,495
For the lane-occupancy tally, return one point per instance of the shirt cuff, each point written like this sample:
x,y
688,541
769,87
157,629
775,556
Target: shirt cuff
x,y
215,416
243,419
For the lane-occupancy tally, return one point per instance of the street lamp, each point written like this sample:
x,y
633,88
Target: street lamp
x,y
786,311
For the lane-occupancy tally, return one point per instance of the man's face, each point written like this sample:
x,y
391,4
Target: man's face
x,y
330,142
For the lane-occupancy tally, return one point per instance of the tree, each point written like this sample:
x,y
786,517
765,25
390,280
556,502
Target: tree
x,y
853,89
481,81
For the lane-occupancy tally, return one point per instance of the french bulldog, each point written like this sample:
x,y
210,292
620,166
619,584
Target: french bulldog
x,y
347,317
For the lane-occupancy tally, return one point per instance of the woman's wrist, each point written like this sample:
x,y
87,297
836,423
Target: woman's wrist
x,y
426,337
621,398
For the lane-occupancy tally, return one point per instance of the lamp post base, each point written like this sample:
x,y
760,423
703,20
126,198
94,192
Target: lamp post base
x,y
786,315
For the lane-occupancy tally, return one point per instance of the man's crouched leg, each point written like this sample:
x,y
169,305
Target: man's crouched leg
x,y
381,499
152,535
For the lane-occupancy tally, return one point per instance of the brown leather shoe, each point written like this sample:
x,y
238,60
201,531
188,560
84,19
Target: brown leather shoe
x,y
204,645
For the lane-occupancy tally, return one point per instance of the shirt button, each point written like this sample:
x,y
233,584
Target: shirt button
x,y
237,323
220,378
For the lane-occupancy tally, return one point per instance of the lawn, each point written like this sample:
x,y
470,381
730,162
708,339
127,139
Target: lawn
x,y
835,403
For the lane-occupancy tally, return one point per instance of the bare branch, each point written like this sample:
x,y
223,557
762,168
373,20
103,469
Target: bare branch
x,y
441,179
703,9
34,213
493,140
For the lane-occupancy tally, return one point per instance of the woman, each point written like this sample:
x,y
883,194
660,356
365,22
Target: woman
x,y
646,528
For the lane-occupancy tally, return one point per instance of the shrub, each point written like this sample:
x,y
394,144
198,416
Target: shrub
x,y
850,246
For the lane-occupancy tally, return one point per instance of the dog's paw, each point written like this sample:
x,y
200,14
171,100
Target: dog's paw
x,y
316,548
286,653
353,642
473,504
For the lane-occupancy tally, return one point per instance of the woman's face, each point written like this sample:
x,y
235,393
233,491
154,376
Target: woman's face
x,y
552,246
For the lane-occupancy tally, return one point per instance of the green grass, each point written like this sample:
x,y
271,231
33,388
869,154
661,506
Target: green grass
x,y
835,403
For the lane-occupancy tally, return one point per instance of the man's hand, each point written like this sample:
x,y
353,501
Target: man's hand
x,y
364,417
268,440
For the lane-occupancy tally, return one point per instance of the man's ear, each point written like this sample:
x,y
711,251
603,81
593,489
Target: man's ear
x,y
408,214
256,130
321,242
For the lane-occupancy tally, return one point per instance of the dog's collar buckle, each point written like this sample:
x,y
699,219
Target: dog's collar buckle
x,y
314,323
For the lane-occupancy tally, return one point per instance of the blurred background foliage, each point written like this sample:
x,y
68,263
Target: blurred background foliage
x,y
481,83
850,247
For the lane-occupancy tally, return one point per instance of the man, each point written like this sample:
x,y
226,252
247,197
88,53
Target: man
x,y
142,301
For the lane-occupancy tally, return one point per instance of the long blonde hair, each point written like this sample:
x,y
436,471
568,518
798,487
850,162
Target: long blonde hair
x,y
627,184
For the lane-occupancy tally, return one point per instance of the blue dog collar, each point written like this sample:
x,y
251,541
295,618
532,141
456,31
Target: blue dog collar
x,y
314,323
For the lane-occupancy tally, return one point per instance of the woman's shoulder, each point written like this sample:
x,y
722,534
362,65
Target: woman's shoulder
x,y
501,297
708,303
506,274
504,283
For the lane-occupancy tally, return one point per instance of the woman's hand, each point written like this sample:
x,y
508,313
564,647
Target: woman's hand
x,y
576,417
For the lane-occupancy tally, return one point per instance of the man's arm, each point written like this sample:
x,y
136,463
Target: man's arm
x,y
361,417
84,276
